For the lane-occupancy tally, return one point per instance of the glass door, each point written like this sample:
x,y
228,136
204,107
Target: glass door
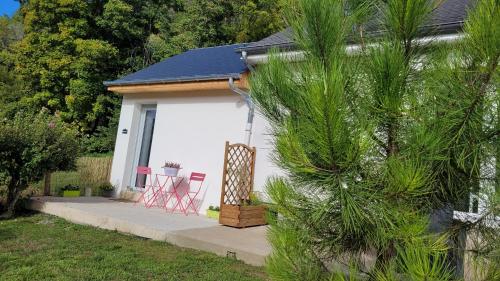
x,y
145,138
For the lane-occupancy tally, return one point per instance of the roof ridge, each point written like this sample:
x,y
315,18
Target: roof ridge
x,y
218,46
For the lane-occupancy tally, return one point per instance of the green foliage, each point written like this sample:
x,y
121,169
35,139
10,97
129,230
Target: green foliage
x,y
258,19
375,142
31,145
205,23
106,187
103,139
10,31
214,208
10,91
90,173
70,47
64,61
10,84
466,96
255,199
70,187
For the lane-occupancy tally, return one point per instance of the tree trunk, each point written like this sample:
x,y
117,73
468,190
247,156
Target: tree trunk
x,y
392,147
12,197
497,141
385,256
46,183
11,208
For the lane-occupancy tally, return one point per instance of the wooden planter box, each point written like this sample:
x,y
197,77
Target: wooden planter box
x,y
242,216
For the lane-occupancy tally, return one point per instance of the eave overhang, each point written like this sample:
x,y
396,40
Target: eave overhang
x,y
179,85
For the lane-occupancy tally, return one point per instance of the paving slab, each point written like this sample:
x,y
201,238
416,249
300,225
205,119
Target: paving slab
x,y
198,232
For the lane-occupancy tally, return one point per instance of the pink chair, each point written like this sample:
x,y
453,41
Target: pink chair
x,y
191,195
146,188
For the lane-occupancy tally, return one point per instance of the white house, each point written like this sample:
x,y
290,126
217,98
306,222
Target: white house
x,y
186,107
183,110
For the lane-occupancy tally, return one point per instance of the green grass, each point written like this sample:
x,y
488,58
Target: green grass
x,y
43,247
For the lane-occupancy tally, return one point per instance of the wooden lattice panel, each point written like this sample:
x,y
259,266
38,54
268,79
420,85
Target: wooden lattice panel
x,y
237,179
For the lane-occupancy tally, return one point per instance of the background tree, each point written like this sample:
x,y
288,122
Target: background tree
x,y
378,144
10,84
205,23
30,146
10,31
70,47
259,19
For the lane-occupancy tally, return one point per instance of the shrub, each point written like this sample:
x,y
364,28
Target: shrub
x,y
214,208
106,187
30,146
70,187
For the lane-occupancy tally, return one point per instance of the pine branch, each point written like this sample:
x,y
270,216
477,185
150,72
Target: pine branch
x,y
486,78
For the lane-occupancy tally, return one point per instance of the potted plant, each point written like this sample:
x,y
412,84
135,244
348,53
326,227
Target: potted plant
x,y
213,212
171,169
88,191
106,189
71,191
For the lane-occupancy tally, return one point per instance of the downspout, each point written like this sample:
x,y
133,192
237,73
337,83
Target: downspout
x,y
244,56
251,109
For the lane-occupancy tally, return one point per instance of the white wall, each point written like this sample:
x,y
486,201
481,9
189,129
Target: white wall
x,y
261,139
125,143
191,129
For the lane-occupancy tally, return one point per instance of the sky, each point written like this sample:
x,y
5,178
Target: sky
x,y
8,7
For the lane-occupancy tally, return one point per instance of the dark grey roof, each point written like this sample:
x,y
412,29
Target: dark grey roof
x,y
282,40
448,18
203,64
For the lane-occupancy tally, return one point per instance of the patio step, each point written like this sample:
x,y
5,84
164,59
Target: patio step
x,y
197,232
248,245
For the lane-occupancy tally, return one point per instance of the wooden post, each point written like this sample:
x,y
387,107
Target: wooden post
x,y
224,174
46,183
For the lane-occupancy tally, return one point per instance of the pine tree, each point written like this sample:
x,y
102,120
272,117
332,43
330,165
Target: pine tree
x,y
377,140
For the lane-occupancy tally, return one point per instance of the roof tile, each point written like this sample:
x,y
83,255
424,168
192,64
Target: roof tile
x,y
447,18
194,65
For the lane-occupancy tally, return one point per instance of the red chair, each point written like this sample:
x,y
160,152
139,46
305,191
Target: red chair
x,y
191,195
146,188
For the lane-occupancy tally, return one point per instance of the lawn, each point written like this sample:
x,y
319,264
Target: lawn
x,y
43,247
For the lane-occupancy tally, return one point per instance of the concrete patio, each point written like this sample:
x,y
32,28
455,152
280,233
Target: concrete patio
x,y
196,232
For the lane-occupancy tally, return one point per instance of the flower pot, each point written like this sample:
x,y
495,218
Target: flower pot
x,y
71,193
107,193
172,172
213,214
88,192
